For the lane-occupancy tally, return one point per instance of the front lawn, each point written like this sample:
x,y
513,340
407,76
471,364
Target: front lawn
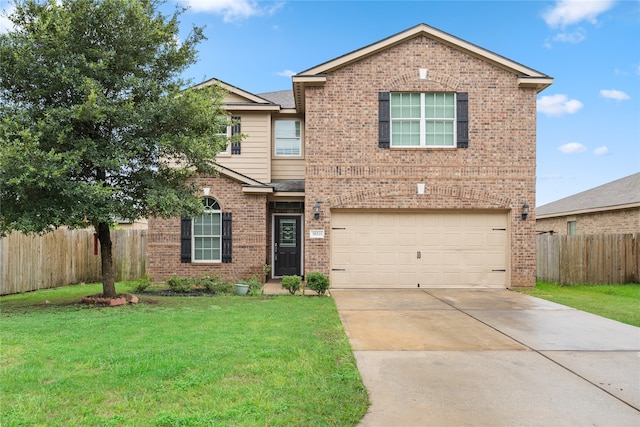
x,y
175,361
617,302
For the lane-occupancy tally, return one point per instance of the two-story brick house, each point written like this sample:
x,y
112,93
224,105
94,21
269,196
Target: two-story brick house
x,y
407,163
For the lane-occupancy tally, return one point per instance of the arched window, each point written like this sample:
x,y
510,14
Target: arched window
x,y
207,233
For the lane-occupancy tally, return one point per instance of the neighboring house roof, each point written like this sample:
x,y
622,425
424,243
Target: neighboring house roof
x,y
620,194
315,76
284,98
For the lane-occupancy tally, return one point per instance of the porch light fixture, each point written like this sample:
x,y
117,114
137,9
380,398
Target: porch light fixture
x,y
525,211
316,211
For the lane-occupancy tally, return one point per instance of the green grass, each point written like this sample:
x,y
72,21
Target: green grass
x,y
617,302
175,361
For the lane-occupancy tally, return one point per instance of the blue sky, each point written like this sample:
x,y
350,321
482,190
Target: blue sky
x,y
588,120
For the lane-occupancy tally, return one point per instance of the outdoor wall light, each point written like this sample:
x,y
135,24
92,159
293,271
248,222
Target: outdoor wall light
x,y
525,211
316,211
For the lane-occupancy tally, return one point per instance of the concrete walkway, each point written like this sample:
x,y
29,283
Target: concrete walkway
x,y
489,358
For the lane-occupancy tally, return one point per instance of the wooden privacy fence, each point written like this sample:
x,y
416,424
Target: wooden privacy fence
x,y
30,262
592,259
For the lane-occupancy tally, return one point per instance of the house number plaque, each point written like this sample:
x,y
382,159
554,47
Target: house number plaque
x,y
316,234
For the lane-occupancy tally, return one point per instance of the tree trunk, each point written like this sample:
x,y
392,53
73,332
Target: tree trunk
x,y
108,282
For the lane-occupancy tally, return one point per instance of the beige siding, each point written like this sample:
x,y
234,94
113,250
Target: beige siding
x,y
287,168
234,98
254,160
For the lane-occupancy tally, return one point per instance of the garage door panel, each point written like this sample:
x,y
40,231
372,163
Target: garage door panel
x,y
452,249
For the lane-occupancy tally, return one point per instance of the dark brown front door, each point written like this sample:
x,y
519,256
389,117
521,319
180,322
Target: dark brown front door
x,y
287,246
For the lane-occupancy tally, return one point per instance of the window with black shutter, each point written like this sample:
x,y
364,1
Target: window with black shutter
x,y
235,130
207,237
423,120
462,119
185,239
384,121
226,237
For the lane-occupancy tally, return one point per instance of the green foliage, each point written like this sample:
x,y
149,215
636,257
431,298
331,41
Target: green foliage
x,y
255,284
142,284
205,284
197,361
291,283
617,302
94,121
318,282
181,285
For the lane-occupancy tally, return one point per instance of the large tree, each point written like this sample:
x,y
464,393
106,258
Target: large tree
x,y
95,120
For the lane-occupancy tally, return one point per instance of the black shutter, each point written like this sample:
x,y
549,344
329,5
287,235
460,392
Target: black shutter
x,y
226,237
384,120
235,130
463,119
185,239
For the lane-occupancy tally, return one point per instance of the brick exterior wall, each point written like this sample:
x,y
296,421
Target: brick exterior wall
x,y
249,237
622,221
345,169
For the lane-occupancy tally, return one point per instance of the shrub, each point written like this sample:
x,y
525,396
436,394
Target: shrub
x,y
142,284
177,284
318,282
291,283
255,284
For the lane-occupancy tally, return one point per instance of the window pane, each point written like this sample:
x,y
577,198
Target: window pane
x,y
405,105
439,105
439,133
405,133
287,138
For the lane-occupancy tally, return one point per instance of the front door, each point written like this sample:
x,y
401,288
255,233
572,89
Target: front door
x,y
287,246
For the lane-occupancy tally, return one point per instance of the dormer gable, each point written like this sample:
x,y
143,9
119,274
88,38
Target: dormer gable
x,y
239,99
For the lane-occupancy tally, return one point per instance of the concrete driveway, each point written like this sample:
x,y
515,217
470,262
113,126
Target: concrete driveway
x,y
489,358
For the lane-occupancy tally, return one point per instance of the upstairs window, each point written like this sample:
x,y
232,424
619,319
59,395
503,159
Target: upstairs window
x,y
423,120
288,138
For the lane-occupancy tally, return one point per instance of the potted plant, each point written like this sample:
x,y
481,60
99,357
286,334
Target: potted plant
x,y
241,288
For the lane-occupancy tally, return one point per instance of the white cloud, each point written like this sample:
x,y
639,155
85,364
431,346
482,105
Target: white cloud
x,y
286,73
233,10
557,105
574,37
5,24
618,95
572,147
601,151
569,12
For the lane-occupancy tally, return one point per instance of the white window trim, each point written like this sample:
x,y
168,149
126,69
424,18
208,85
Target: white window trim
x,y
227,151
275,152
194,236
423,123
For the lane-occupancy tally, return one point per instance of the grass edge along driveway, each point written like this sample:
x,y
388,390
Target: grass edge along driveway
x,y
617,302
176,361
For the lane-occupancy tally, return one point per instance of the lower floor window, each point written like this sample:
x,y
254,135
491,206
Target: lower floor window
x,y
207,233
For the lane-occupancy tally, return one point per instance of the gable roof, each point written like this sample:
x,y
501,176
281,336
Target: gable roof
x,y
528,77
619,194
245,100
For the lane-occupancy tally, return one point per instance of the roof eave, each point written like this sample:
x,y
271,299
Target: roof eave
x,y
590,210
300,82
538,83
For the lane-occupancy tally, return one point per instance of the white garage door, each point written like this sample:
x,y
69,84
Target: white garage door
x,y
426,249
